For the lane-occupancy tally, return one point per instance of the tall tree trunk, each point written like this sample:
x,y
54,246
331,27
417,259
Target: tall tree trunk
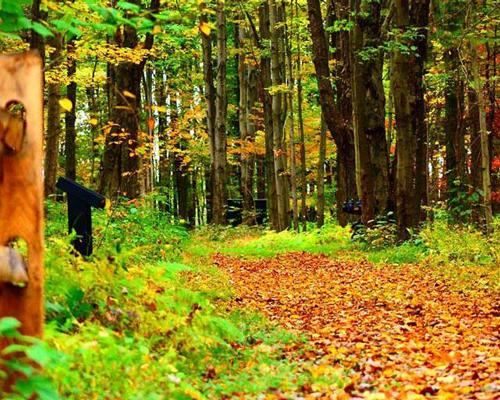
x,y
321,175
485,155
455,140
121,164
291,119
407,82
300,102
476,178
277,78
53,124
210,96
345,164
420,11
372,160
70,117
219,178
336,122
265,83
246,74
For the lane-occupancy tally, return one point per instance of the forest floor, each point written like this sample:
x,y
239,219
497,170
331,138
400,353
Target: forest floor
x,y
161,312
397,331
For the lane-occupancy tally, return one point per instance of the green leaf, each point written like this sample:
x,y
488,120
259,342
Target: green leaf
x,y
41,29
125,5
8,326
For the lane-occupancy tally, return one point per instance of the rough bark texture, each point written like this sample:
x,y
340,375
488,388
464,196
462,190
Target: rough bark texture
x,y
120,171
345,165
408,92
210,95
278,112
485,154
70,116
337,123
219,178
53,125
247,79
321,176
291,120
372,159
303,168
455,140
266,99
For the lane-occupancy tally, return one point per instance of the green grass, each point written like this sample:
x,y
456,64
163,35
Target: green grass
x,y
147,316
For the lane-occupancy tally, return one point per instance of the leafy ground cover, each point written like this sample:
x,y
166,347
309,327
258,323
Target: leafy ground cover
x,y
162,313
398,331
145,319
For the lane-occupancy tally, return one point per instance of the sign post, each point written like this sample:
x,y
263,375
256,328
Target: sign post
x,y
80,201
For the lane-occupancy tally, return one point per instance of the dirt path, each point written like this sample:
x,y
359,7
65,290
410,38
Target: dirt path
x,y
399,333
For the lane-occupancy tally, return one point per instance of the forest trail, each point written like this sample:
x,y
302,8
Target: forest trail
x,y
398,331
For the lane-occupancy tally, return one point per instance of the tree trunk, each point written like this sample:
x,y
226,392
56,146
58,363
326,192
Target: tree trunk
x,y
300,101
219,178
277,78
53,124
372,160
408,92
70,117
291,119
246,74
121,164
337,123
265,83
485,155
321,175
455,140
210,96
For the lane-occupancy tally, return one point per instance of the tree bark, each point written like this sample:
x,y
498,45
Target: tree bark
x,y
53,124
247,79
219,178
265,84
485,155
338,124
320,218
407,90
300,102
210,96
70,116
372,159
120,170
278,99
291,119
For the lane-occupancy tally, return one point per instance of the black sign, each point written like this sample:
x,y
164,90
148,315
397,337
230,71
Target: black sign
x,y
80,199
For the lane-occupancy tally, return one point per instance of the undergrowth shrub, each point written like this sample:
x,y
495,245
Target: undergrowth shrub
x,y
23,357
460,244
136,322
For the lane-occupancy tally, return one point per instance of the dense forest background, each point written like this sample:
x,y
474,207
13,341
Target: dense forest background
x,y
191,116
306,104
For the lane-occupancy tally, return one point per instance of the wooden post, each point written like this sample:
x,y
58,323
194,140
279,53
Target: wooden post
x,y
21,189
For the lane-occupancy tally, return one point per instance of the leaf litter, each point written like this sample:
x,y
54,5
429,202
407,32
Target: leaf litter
x,y
397,332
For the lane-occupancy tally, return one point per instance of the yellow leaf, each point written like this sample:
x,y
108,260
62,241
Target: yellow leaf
x,y
126,93
156,29
93,121
66,104
205,28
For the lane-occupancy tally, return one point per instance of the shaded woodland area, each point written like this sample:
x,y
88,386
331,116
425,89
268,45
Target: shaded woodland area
x,y
304,104
266,199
